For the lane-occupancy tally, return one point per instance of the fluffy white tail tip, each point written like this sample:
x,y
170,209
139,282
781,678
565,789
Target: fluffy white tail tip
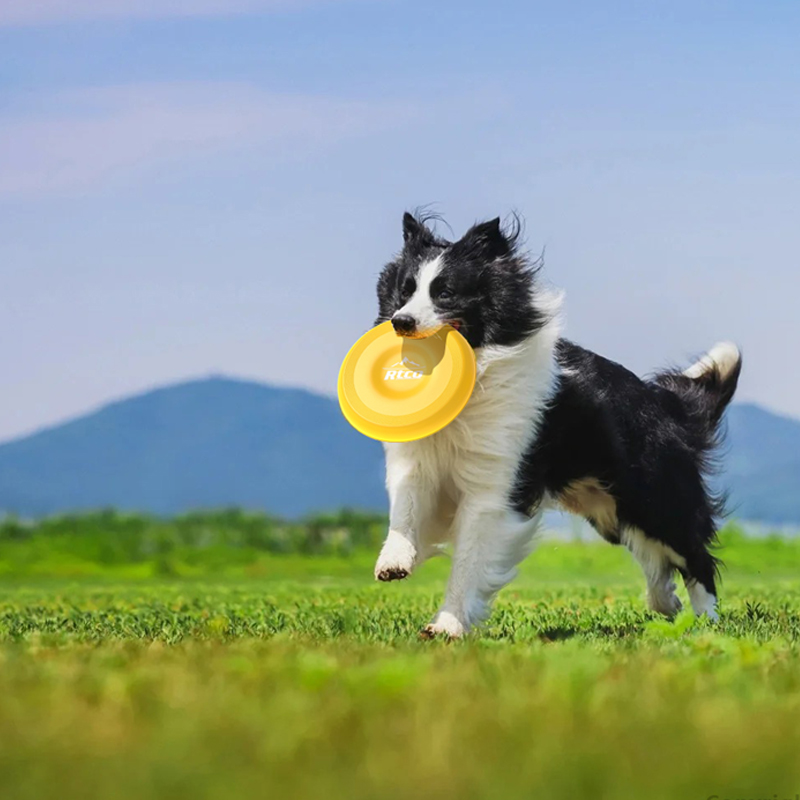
x,y
723,357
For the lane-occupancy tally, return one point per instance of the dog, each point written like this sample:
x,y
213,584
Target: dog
x,y
549,424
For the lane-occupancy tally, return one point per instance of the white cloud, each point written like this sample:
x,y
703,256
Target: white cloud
x,y
87,137
43,12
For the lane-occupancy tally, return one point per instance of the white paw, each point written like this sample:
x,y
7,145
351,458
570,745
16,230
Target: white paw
x,y
703,602
445,624
397,558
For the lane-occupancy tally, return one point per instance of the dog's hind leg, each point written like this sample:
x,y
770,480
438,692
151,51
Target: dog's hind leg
x,y
658,562
699,576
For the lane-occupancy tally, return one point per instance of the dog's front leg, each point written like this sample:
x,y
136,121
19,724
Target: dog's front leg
x,y
412,501
490,541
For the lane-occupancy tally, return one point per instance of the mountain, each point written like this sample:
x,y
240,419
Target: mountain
x,y
762,465
221,442
205,443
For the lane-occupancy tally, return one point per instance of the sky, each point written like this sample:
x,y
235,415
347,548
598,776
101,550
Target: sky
x,y
212,187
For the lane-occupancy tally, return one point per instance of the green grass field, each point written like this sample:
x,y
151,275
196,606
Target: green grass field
x,y
294,677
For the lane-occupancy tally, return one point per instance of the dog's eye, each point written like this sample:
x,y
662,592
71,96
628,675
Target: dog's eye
x,y
444,294
408,287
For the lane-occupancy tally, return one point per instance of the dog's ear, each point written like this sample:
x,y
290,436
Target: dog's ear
x,y
488,239
414,230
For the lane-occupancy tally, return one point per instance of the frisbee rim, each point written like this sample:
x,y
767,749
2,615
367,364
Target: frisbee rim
x,y
449,404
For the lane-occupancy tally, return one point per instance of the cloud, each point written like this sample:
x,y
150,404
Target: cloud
x,y
88,137
43,12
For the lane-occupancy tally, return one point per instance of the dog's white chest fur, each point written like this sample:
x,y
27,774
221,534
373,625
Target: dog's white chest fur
x,y
479,451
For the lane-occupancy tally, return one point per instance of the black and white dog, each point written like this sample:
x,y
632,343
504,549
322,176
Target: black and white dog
x,y
549,423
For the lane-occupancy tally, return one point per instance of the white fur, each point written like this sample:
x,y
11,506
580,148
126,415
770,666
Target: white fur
x,y
658,562
445,624
397,558
703,602
723,357
455,485
420,306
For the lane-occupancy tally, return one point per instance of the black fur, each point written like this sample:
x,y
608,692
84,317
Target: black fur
x,y
649,443
484,286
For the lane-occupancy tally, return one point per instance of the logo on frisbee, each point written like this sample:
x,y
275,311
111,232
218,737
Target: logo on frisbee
x,y
403,370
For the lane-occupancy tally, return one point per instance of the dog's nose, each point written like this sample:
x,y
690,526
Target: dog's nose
x,y
404,323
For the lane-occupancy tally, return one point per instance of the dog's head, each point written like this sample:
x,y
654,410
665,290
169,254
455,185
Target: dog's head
x,y
481,285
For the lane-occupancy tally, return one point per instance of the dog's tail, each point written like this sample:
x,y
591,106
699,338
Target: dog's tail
x,y
716,376
704,390
707,386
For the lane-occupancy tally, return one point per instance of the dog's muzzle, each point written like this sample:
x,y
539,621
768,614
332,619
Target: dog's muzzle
x,y
404,324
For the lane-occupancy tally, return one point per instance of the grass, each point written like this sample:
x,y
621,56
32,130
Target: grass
x,y
294,677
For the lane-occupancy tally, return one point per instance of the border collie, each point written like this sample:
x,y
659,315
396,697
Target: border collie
x,y
549,424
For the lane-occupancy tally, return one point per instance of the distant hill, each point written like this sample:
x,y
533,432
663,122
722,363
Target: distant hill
x,y
222,442
762,465
206,443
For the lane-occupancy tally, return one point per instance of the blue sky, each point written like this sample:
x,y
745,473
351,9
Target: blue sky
x,y
190,188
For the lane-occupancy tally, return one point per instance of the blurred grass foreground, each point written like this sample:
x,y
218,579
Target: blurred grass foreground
x,y
229,655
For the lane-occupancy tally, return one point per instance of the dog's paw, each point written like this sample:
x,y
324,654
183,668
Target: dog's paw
x,y
663,600
668,607
446,625
390,574
397,558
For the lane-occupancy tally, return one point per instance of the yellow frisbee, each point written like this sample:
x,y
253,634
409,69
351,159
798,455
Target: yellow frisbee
x,y
397,389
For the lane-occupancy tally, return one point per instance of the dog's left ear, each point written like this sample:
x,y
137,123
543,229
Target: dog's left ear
x,y
414,230
488,238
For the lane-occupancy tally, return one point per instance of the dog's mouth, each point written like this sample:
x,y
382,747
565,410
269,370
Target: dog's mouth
x,y
457,324
416,334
